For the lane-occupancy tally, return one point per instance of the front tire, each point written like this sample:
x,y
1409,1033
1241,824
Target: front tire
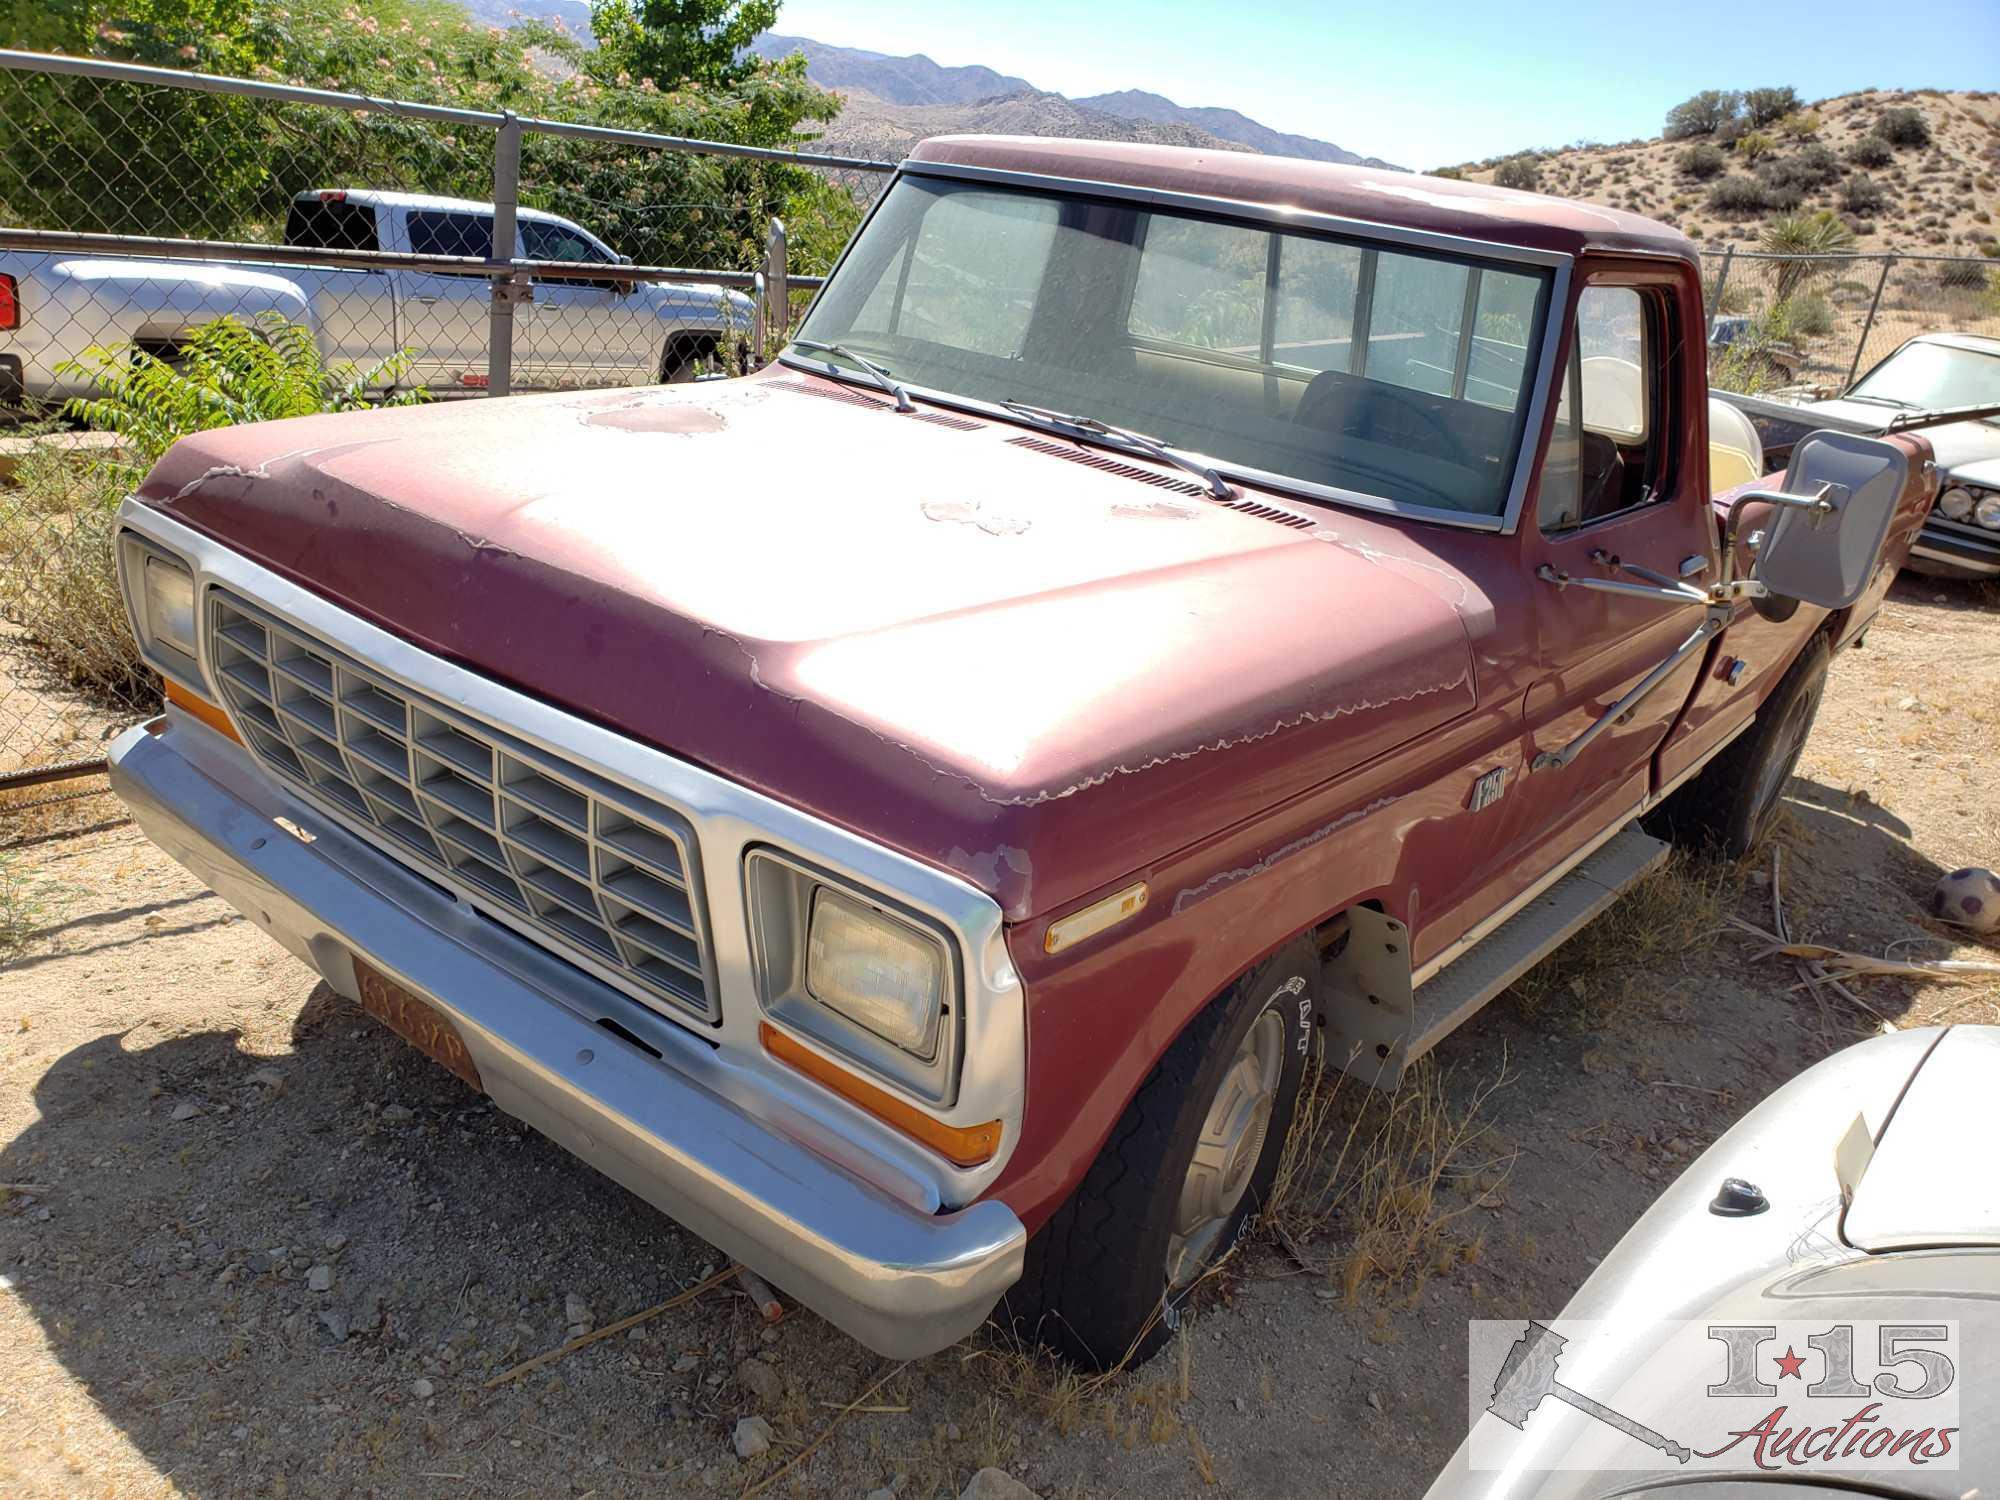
x,y
1183,1175
1732,804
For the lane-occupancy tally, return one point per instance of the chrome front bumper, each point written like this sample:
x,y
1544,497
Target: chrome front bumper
x,y
1945,552
903,1282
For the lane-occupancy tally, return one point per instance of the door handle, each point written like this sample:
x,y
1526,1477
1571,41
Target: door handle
x,y
426,301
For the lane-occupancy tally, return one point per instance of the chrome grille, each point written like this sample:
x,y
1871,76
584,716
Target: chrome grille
x,y
601,877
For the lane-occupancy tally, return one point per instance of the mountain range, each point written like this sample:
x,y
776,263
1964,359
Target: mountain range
x,y
893,101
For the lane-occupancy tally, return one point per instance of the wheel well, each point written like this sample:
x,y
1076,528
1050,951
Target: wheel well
x,y
684,346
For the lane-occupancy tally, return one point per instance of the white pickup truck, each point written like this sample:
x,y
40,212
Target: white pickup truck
x,y
614,331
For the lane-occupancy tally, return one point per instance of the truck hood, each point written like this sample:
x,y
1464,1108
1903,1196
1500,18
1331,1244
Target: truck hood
x,y
1037,673
1955,444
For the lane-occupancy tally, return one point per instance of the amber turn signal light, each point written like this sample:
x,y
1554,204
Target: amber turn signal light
x,y
961,1145
195,706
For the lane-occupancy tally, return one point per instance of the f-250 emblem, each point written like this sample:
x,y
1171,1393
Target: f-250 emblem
x,y
1489,788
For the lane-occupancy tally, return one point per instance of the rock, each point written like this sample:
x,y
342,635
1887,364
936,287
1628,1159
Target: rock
x,y
760,1381
686,1363
1239,1404
397,1114
422,1389
884,1493
575,1311
951,1432
320,1279
335,1243
187,1109
1375,1400
996,1484
752,1437
268,1078
335,1323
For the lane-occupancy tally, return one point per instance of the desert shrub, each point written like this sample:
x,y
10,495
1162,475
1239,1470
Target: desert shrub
x,y
1903,126
1862,194
58,565
1702,161
1960,273
1760,357
1812,315
1871,151
59,569
1518,172
1809,167
1755,145
1737,198
1768,106
1800,125
1704,114
1451,173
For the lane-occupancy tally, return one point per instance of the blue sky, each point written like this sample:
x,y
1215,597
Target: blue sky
x,y
1424,84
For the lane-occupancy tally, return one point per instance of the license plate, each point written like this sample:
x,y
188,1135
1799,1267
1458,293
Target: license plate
x,y
416,1021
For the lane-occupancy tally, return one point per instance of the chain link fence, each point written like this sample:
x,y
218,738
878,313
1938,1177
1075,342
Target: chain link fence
x,y
1808,325
181,249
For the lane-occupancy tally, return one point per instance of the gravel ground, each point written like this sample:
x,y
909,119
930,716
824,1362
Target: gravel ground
x,y
255,1246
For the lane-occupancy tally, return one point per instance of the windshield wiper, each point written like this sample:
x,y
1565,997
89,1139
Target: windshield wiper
x,y
1983,411
1151,446
882,378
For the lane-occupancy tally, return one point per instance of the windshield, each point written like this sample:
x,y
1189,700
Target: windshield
x,y
1384,373
1933,376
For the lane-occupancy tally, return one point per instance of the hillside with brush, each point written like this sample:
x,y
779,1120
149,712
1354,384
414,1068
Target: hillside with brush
x,y
1917,172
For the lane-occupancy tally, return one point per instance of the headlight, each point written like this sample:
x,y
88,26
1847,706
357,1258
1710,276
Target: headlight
x,y
878,972
857,973
1955,504
167,604
1987,513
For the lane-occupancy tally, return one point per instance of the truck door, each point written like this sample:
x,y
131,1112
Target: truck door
x,y
445,314
1624,485
582,332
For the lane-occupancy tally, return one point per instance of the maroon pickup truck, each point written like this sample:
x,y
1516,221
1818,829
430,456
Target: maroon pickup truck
x,y
912,813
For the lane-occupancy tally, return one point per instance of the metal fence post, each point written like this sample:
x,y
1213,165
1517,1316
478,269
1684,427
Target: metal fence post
x,y
757,320
1721,281
500,319
775,278
1868,327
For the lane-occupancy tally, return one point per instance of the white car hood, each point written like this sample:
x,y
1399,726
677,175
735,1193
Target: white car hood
x,y
1932,1180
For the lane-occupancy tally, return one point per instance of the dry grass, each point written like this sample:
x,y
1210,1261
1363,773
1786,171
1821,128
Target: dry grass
x,y
1646,934
1385,1178
29,902
59,574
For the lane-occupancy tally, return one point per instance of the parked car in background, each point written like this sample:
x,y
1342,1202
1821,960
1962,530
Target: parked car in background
x,y
1932,372
1859,1195
601,332
1209,608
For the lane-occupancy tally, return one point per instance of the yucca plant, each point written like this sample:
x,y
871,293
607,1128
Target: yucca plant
x,y
223,373
1804,235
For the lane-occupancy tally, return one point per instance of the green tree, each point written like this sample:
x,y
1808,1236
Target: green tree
x,y
1704,114
681,41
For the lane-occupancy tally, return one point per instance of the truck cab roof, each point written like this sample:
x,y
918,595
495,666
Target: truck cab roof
x,y
1469,210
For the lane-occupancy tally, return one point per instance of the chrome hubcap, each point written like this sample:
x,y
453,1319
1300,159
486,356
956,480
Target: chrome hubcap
x,y
1226,1154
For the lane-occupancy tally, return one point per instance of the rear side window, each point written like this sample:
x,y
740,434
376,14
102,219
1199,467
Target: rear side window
x,y
1605,455
451,234
331,224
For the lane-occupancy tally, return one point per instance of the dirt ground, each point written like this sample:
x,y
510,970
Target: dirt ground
x,y
253,1246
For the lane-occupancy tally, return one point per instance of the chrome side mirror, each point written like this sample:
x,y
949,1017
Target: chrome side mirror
x,y
1830,519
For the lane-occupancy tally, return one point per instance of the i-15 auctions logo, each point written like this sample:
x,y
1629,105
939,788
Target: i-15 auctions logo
x,y
1776,1397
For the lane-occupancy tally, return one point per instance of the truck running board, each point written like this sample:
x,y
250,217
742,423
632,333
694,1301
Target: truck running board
x,y
1377,1027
